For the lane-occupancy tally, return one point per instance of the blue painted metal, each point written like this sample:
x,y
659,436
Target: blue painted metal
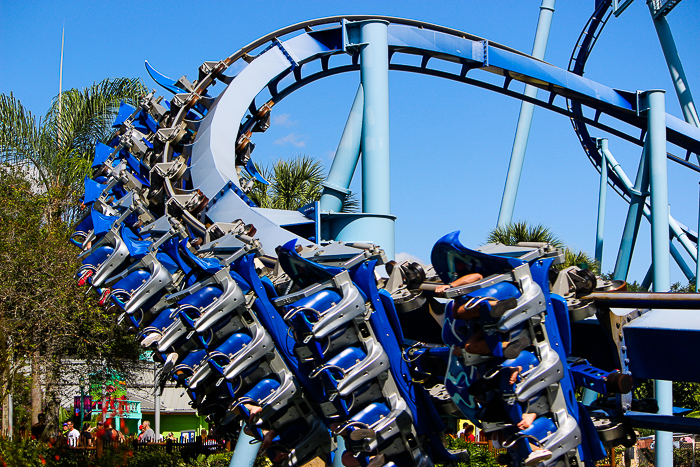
x,y
680,261
675,67
655,341
522,133
376,181
335,188
377,321
602,196
634,217
697,265
658,182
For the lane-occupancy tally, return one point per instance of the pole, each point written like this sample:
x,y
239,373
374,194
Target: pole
x,y
374,75
245,453
335,188
82,404
602,197
60,82
10,416
656,137
522,133
339,449
697,265
675,67
634,217
156,392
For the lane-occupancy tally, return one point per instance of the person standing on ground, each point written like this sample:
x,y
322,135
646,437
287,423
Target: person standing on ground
x,y
38,428
85,435
148,435
73,435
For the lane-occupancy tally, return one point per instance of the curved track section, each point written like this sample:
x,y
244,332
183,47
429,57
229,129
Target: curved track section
x,y
302,343
577,63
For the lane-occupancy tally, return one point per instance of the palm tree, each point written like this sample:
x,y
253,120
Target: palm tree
x,y
293,184
516,232
56,151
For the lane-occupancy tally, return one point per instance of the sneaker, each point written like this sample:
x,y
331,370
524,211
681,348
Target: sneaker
x,y
379,461
502,306
538,456
514,348
362,434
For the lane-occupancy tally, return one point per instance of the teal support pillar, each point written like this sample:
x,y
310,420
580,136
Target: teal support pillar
x,y
634,218
522,133
648,278
656,138
689,274
675,67
336,186
245,453
697,263
339,449
602,199
376,186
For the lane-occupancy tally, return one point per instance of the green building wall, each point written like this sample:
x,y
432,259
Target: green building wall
x,y
177,423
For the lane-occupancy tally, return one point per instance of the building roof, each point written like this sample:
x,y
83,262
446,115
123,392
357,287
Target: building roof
x,y
173,400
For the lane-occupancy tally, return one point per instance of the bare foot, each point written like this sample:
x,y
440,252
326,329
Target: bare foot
x,y
527,420
514,372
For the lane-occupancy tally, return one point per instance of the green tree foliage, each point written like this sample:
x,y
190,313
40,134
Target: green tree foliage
x,y
521,231
293,184
56,150
41,308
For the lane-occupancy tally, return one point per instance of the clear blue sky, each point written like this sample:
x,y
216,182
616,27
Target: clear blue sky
x,y
450,143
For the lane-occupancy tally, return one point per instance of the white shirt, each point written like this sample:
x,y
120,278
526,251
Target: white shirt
x,y
73,436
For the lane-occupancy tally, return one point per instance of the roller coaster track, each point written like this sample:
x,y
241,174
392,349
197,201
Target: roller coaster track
x,y
299,340
577,63
510,64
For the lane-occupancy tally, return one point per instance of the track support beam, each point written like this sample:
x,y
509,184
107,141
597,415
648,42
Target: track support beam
x,y
656,138
376,183
602,199
522,133
337,184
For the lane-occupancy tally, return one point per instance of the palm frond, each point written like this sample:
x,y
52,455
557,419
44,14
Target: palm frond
x,y
516,232
581,259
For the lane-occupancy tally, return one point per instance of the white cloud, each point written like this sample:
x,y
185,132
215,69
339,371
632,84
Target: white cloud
x,y
283,120
291,138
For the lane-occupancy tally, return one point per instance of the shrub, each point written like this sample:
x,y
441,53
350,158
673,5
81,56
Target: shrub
x,y
22,452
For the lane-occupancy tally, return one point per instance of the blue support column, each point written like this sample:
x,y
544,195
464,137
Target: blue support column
x,y
681,262
648,278
339,449
675,67
656,138
522,133
602,198
376,186
634,217
697,263
335,188
245,453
